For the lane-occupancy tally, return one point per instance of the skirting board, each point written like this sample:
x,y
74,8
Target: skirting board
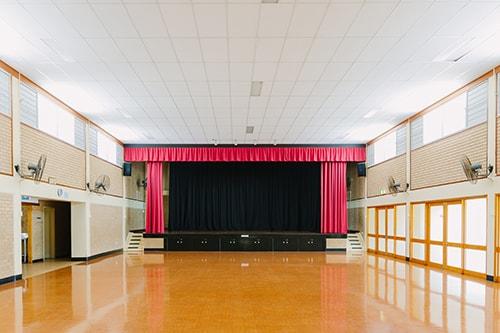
x,y
11,279
95,256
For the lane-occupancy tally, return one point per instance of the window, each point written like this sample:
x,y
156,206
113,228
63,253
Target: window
x,y
463,111
385,148
106,148
389,146
447,119
103,146
55,121
4,93
40,112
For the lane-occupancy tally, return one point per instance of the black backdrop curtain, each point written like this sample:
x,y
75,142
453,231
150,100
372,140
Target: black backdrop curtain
x,y
252,196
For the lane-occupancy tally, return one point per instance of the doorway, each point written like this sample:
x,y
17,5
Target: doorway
x,y
47,224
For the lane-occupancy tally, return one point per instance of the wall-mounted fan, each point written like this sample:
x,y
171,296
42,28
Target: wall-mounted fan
x,y
395,187
142,182
35,170
473,172
101,184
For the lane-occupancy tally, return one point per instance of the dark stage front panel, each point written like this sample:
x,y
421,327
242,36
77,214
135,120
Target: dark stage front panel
x,y
244,196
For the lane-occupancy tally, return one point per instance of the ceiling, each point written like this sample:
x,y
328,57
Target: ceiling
x,y
180,71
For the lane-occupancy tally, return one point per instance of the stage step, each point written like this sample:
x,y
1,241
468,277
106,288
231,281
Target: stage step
x,y
355,243
135,243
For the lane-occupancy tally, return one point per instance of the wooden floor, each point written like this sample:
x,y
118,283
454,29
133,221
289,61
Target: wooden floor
x,y
249,292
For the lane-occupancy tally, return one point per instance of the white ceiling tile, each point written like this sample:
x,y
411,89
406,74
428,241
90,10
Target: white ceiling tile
x,y
160,49
370,18
122,71
350,48
306,20
187,50
106,49
335,71
264,71
269,49
156,89
359,71
240,71
303,88
193,71
403,17
323,49
282,88
338,19
52,20
199,88
98,70
179,19
217,71
295,49
311,71
241,49
116,20
377,48
133,49
214,49
170,71
274,20
147,19
211,20
147,72
219,88
467,18
288,71
243,20
83,18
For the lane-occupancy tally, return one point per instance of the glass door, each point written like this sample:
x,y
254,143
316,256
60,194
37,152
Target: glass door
x,y
436,227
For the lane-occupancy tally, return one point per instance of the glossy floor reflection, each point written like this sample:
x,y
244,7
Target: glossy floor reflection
x,y
248,292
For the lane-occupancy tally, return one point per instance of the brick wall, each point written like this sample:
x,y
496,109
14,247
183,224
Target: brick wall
x,y
357,187
135,219
100,167
378,175
65,163
5,144
132,191
6,236
439,162
105,228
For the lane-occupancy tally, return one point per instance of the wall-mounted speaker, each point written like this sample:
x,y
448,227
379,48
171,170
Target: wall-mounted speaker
x,y
127,169
361,169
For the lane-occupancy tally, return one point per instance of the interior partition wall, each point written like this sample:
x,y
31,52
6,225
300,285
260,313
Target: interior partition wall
x,y
387,230
450,234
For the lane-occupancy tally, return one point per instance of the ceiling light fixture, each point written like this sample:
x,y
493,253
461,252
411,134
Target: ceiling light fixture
x,y
370,114
249,129
256,88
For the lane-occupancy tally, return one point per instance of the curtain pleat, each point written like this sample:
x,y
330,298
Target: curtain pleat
x,y
154,198
333,198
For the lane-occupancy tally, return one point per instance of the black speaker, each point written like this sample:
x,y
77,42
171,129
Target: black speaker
x,y
127,169
361,170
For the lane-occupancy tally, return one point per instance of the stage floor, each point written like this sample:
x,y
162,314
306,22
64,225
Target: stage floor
x,y
249,292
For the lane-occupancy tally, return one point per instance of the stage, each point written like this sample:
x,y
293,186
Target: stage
x,y
243,241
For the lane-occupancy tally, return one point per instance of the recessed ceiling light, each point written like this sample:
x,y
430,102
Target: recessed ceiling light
x,y
269,1
370,114
256,88
249,129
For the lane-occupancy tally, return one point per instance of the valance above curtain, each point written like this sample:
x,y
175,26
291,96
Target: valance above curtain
x,y
245,154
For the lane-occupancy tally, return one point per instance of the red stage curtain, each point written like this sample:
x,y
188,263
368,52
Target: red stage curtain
x,y
245,154
333,198
154,198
